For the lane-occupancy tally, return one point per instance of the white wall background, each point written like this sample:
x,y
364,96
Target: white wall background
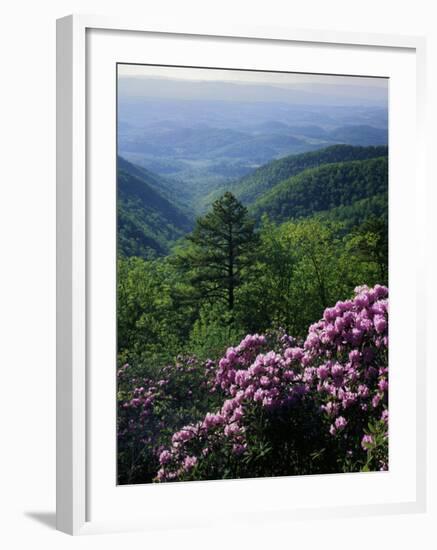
x,y
27,269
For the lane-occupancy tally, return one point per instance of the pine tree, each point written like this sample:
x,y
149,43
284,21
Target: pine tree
x,y
222,244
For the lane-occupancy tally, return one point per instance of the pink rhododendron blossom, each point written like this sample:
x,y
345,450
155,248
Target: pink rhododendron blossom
x,y
366,441
340,423
341,368
190,462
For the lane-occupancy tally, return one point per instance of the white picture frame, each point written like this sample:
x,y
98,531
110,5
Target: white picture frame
x,y
73,261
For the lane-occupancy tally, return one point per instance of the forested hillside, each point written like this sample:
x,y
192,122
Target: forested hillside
x,y
355,214
148,222
340,183
324,188
252,186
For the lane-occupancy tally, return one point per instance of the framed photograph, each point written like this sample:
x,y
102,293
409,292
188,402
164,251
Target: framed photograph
x,y
240,275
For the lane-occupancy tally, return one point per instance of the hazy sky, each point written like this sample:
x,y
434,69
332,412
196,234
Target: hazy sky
x,y
198,83
260,77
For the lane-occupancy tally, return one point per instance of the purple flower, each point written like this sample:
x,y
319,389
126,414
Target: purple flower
x,y
231,354
376,400
229,406
258,395
362,299
329,314
366,442
380,291
212,420
337,371
242,377
264,381
295,354
380,323
348,399
331,408
189,462
340,422
183,435
164,457
231,430
312,341
323,372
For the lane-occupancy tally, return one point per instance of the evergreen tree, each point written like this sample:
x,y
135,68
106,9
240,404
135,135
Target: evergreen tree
x,y
222,244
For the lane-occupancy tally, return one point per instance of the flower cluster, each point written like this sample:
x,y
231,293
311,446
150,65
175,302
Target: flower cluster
x,y
238,357
346,353
137,407
342,366
155,406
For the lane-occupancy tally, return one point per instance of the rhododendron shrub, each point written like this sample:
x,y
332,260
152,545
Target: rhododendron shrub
x,y
292,408
151,409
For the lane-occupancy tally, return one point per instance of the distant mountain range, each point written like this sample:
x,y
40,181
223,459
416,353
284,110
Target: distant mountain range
x,y
200,141
340,182
209,143
339,93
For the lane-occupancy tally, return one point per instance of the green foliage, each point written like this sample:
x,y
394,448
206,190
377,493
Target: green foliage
x,y
213,331
277,445
377,447
302,267
153,318
355,214
324,188
369,243
296,270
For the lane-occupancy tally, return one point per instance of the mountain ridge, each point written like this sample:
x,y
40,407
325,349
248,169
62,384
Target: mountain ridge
x,y
252,186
